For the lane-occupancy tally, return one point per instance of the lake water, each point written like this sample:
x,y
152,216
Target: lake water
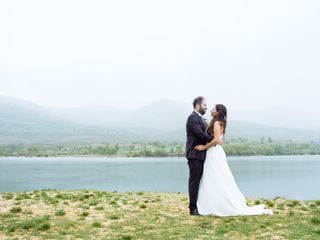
x,y
292,177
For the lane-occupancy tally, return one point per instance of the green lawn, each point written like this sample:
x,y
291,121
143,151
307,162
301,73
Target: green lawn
x,y
91,214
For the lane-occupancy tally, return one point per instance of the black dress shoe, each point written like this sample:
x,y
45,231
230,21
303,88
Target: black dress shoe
x,y
194,212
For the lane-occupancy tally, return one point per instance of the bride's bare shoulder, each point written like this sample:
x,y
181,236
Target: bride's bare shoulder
x,y
218,125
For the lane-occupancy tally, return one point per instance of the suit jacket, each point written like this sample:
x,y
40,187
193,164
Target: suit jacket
x,y
196,135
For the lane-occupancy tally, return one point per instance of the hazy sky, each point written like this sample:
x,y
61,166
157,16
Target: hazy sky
x,y
251,54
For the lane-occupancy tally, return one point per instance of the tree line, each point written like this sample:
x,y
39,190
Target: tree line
x,y
233,147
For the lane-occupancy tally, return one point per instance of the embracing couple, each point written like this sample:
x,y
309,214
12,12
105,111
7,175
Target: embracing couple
x,y
212,187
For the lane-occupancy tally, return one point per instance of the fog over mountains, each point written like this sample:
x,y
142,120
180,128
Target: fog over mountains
x,y
26,122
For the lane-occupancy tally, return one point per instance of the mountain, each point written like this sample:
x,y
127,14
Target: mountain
x,y
163,115
297,117
26,122
237,129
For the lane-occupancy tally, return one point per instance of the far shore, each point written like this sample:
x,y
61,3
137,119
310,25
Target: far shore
x,y
232,147
142,156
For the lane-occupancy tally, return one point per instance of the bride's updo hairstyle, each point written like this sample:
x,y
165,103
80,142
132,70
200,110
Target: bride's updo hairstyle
x,y
221,117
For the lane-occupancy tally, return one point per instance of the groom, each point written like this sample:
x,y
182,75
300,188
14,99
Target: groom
x,y
196,135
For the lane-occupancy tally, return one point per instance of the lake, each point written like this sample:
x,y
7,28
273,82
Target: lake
x,y
292,177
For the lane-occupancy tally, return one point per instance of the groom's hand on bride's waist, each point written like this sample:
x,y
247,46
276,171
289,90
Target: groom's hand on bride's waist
x,y
200,148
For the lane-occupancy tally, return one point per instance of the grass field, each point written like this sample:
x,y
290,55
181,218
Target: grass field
x,y
91,214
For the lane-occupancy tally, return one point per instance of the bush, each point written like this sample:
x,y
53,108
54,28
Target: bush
x,y
114,217
15,209
60,212
143,206
96,224
8,196
315,220
84,214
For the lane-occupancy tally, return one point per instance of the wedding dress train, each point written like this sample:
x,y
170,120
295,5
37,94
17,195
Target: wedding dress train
x,y
218,193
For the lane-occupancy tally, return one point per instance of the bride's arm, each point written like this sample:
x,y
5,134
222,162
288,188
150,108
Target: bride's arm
x,y
216,138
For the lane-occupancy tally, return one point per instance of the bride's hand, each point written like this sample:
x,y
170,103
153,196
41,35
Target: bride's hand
x,y
200,148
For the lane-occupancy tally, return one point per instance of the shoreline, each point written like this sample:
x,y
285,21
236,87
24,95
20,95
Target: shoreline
x,y
142,156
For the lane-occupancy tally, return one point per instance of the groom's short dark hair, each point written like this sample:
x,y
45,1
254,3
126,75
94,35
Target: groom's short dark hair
x,y
197,100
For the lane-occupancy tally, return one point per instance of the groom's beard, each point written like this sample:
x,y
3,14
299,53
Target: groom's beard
x,y
203,112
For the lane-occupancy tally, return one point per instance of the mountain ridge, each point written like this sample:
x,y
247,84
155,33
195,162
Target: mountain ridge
x,y
162,120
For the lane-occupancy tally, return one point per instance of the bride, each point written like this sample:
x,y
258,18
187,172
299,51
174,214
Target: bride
x,y
218,193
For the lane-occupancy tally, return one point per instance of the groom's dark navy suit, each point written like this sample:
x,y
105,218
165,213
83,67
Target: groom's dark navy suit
x,y
196,135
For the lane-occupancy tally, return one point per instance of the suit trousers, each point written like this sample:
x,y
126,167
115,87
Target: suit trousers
x,y
195,174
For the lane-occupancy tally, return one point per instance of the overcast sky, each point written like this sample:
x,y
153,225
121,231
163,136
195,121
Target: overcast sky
x,y
246,54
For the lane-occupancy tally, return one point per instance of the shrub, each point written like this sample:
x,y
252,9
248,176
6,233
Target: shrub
x,y
114,216
96,224
60,212
143,206
315,220
8,196
84,214
15,209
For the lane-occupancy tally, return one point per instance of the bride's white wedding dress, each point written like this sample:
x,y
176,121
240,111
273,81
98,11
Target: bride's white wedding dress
x,y
218,193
